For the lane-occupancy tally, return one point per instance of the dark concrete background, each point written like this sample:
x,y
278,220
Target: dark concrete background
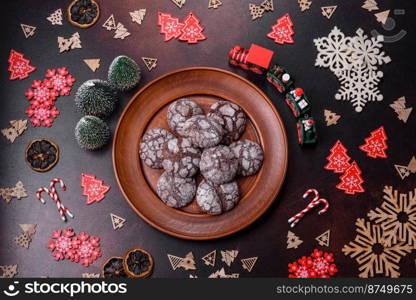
x,y
225,27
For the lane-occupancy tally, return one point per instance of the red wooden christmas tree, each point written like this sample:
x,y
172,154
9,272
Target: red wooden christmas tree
x,y
375,144
338,160
94,188
351,181
19,67
171,27
282,31
192,30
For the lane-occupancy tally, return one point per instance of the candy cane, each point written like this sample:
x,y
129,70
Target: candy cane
x,y
315,201
54,196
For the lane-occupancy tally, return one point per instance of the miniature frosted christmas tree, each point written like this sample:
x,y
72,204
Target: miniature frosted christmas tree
x,y
96,97
124,73
91,133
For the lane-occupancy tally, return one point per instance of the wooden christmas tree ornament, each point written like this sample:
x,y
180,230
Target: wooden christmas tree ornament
x,y
293,241
209,259
323,239
92,63
248,263
228,256
149,62
328,11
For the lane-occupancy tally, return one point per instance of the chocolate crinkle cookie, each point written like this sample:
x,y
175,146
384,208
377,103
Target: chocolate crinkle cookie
x,y
250,157
218,164
231,117
180,111
180,158
176,191
216,199
151,147
204,132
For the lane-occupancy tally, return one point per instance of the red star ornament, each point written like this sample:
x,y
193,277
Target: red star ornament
x,y
282,31
94,188
19,67
192,30
375,145
351,180
169,26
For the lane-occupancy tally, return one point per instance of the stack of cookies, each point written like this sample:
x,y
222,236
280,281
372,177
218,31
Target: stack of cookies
x,y
206,144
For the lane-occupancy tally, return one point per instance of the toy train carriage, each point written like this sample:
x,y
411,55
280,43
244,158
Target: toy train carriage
x,y
279,78
298,102
256,59
306,131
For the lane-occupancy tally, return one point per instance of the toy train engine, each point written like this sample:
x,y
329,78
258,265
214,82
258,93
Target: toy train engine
x,y
298,102
280,78
257,59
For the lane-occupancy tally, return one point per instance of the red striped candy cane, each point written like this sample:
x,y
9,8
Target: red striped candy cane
x,y
54,196
316,201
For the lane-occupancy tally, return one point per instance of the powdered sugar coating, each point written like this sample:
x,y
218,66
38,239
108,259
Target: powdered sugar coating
x,y
151,147
250,157
204,132
176,191
180,111
216,199
218,164
180,158
231,117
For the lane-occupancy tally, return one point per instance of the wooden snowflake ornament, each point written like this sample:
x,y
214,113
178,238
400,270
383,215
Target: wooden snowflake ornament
x,y
293,241
28,30
228,256
56,17
209,259
149,62
371,251
396,216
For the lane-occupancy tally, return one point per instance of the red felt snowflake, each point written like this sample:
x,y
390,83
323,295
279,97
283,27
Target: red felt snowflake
x,y
19,67
82,248
60,80
42,115
40,93
171,27
61,243
282,31
318,265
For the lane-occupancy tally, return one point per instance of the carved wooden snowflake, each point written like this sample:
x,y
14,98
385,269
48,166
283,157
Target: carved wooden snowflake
x,y
372,253
397,216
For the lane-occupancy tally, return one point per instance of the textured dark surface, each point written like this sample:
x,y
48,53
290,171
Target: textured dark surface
x,y
225,27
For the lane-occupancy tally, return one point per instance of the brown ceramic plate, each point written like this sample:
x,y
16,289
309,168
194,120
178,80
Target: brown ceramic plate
x,y
147,109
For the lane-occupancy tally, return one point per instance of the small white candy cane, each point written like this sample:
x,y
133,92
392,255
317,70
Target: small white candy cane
x,y
315,201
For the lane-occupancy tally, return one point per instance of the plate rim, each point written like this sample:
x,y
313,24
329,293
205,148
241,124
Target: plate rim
x,y
227,233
